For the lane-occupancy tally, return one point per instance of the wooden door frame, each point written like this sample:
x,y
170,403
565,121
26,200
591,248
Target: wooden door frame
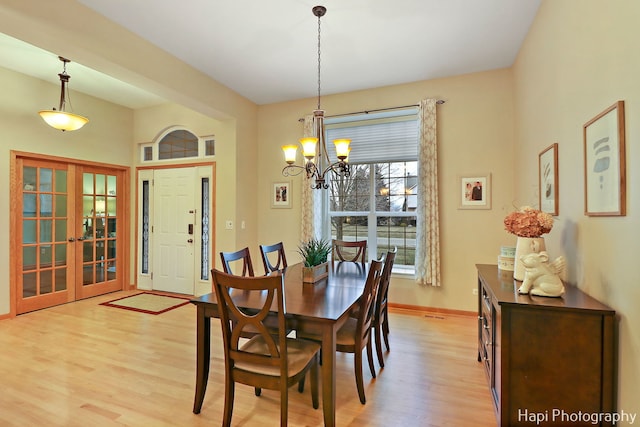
x,y
15,240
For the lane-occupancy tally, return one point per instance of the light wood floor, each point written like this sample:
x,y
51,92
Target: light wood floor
x,y
83,364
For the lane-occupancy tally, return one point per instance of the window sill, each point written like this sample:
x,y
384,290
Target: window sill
x,y
403,271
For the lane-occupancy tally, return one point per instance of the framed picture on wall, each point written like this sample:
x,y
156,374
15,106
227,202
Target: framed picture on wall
x,y
281,194
474,191
548,179
604,163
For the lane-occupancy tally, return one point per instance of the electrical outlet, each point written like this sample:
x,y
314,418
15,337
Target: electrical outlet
x,y
475,291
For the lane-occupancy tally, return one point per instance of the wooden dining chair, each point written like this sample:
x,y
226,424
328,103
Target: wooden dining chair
x,y
355,334
381,315
267,360
343,250
281,261
233,258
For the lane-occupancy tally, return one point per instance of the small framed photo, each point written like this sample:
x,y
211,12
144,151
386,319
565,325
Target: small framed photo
x,y
548,179
281,194
475,191
604,163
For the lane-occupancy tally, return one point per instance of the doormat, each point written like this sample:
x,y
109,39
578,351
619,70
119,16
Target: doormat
x,y
146,302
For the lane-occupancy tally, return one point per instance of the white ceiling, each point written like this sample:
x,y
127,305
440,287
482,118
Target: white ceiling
x,y
267,51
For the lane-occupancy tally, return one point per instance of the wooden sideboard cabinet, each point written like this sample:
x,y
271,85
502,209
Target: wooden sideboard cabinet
x,y
547,359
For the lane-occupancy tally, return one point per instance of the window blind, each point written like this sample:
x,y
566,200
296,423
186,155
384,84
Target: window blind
x,y
376,138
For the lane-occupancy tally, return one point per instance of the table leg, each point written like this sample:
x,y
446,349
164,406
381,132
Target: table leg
x,y
203,357
329,375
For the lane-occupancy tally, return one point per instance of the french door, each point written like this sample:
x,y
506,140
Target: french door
x,y
67,241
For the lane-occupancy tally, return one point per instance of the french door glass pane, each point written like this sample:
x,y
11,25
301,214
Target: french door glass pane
x,y
28,231
28,258
29,284
28,205
61,181
46,282
61,205
46,177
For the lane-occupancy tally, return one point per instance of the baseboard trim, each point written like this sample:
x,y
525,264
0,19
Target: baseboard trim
x,y
423,309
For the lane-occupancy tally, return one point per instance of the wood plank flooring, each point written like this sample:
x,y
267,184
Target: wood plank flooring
x,y
83,364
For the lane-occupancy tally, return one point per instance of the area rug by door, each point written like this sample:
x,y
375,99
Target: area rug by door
x,y
146,302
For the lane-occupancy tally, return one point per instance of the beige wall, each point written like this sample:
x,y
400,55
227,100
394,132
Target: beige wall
x,y
475,134
579,58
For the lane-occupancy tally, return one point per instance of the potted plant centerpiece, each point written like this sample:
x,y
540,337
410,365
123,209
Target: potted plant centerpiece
x,y
314,254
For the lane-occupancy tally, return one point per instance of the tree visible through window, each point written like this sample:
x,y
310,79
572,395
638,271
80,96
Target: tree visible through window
x,y
377,203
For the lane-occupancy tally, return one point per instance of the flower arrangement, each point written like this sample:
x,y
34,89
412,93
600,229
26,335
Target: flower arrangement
x,y
528,222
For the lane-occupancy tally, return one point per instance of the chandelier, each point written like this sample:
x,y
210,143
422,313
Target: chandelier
x,y
59,118
314,149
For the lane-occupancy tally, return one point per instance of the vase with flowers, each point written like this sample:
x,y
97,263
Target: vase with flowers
x,y
528,224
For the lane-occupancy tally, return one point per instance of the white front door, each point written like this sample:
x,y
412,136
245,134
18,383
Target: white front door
x,y
174,216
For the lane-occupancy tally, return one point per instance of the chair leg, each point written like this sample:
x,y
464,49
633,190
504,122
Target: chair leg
x,y
385,329
376,330
258,391
314,383
228,402
372,368
357,364
301,385
284,404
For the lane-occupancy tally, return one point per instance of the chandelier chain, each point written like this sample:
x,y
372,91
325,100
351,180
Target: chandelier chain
x,y
319,16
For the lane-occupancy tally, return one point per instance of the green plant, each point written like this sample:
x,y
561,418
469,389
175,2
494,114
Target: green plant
x,y
314,252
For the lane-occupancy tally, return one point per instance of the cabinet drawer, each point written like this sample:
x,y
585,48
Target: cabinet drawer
x,y
486,300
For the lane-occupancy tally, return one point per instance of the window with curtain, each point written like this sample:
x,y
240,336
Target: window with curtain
x,y
377,202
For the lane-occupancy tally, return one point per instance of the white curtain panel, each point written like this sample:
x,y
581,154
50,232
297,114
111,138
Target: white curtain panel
x,y
427,264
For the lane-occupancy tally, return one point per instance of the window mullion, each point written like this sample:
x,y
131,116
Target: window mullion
x,y
372,221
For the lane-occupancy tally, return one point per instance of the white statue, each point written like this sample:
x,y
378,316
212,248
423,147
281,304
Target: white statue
x,y
542,277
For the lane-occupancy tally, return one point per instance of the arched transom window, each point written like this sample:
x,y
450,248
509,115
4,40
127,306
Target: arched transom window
x,y
178,144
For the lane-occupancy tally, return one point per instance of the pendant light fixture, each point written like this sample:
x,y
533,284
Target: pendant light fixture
x,y
314,149
61,119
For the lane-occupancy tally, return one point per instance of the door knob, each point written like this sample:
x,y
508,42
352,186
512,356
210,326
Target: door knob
x,y
71,239
190,241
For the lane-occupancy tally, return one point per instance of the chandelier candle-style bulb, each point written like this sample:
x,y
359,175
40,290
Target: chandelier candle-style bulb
x,y
342,148
309,147
290,153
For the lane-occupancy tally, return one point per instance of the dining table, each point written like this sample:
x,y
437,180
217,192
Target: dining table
x,y
319,308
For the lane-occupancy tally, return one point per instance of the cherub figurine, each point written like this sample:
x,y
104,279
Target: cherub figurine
x,y
541,277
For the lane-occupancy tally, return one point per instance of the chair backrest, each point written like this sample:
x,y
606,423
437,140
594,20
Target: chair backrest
x,y
244,255
366,306
235,322
385,279
343,250
281,261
